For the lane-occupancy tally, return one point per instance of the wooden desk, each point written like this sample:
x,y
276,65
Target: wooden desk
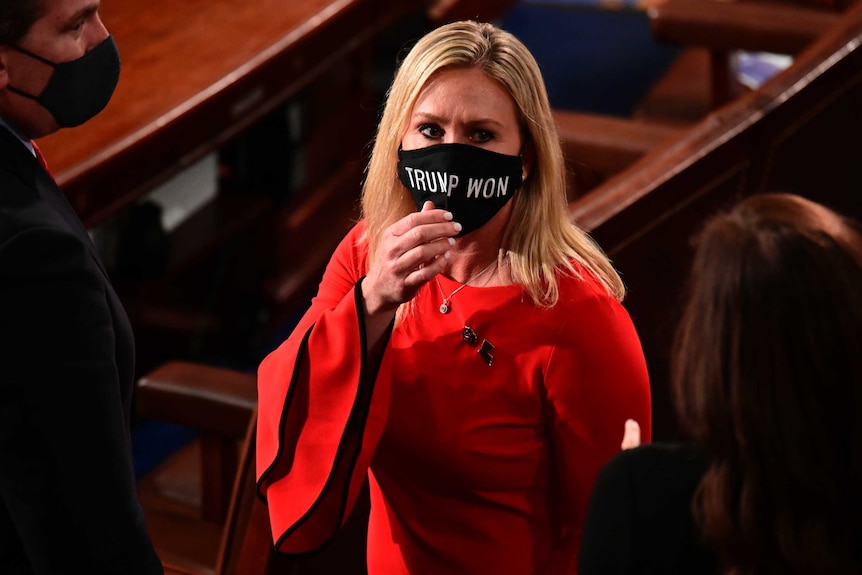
x,y
194,74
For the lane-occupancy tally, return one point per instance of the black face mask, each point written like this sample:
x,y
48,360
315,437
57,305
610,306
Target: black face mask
x,y
81,88
471,182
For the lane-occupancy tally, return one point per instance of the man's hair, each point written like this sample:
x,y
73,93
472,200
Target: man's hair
x,y
767,374
16,18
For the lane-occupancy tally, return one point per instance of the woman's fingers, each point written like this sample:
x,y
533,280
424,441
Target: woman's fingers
x,y
632,435
424,226
424,262
412,252
419,240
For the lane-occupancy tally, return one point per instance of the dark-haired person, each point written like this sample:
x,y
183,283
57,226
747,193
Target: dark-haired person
x,y
67,486
767,376
467,350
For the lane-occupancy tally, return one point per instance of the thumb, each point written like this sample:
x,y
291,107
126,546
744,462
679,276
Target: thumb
x,y
632,435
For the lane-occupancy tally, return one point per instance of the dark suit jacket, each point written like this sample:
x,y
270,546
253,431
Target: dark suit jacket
x,y
639,518
67,485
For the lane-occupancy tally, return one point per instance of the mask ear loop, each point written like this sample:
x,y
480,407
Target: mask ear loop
x,y
12,88
37,57
34,56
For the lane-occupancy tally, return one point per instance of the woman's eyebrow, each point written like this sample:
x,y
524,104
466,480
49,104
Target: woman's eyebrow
x,y
439,119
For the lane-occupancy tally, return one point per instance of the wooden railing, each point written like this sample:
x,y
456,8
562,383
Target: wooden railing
x,y
796,133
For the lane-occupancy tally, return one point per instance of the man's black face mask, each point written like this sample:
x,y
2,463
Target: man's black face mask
x,y
81,88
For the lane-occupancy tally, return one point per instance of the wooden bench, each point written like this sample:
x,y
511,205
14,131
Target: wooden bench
x,y
700,79
202,507
796,133
704,76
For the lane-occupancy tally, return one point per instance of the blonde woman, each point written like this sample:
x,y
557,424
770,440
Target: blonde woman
x,y
467,351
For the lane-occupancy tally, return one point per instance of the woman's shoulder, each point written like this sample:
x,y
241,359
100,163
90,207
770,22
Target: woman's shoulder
x,y
584,299
581,285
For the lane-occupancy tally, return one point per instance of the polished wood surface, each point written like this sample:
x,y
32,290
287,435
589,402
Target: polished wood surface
x,y
597,146
194,74
704,75
796,133
756,26
211,77
700,79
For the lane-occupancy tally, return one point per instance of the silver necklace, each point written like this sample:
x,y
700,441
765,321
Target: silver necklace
x,y
444,305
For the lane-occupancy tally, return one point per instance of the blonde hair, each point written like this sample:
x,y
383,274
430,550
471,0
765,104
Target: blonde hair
x,y
540,237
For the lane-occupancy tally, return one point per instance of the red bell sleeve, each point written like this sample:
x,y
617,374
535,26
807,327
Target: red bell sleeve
x,y
321,412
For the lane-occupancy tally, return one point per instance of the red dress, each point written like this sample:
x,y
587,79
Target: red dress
x,y
481,459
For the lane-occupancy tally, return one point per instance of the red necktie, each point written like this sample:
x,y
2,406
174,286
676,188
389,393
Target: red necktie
x,y
39,156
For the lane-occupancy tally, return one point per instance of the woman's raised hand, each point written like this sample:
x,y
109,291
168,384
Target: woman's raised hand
x,y
413,250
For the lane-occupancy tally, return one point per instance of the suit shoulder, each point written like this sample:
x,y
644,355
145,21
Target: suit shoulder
x,y
19,203
28,247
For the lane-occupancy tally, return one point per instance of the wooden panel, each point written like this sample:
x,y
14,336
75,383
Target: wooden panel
x,y
721,25
704,76
195,73
596,146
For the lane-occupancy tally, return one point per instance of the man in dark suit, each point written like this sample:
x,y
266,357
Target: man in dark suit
x,y
67,486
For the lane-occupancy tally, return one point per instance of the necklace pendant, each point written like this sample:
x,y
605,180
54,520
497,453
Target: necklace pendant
x,y
444,307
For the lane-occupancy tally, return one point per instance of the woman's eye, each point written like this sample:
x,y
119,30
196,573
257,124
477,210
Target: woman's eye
x,y
430,131
482,136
